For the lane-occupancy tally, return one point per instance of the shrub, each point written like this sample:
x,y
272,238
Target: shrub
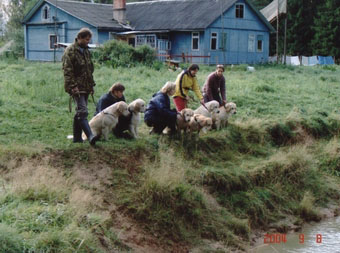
x,y
119,54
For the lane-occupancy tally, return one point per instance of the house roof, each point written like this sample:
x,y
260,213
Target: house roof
x,y
98,15
150,15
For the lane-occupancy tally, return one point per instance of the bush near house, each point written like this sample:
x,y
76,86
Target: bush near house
x,y
116,53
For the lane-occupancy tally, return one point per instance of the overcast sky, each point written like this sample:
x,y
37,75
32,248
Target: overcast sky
x,y
4,2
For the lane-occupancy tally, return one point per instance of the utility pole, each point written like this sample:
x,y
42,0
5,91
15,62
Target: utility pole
x,y
277,33
285,39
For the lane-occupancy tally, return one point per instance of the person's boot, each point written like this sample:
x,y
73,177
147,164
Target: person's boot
x,y
77,131
87,130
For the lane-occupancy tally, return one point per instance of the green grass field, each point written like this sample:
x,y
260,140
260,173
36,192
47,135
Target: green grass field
x,y
276,164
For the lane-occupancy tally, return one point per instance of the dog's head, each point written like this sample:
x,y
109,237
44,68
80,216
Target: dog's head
x,y
187,113
230,108
137,105
205,122
122,108
213,106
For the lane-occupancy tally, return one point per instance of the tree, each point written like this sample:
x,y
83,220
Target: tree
x,y
326,29
16,10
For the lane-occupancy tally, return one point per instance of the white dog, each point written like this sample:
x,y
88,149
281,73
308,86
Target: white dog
x,y
211,110
225,112
107,119
135,108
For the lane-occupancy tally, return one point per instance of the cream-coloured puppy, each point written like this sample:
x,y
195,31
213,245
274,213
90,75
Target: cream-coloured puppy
x,y
107,119
225,112
211,110
183,119
200,122
135,108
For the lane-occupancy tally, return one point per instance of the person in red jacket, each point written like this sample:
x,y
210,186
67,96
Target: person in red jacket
x,y
214,87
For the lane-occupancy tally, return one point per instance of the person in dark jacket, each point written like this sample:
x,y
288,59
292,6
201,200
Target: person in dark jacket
x,y
214,86
115,95
158,113
78,82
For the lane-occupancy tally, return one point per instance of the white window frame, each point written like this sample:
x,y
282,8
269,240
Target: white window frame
x,y
150,43
251,43
49,41
143,40
236,7
140,40
48,13
211,40
257,43
194,36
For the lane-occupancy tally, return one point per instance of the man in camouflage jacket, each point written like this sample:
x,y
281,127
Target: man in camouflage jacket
x,y
78,82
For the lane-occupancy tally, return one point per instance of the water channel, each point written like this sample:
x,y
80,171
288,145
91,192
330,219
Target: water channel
x,y
322,237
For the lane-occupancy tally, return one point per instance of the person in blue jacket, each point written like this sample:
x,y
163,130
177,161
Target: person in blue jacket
x,y
158,113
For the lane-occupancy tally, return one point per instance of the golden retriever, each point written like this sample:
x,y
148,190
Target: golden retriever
x,y
200,122
135,108
107,119
183,119
211,110
225,112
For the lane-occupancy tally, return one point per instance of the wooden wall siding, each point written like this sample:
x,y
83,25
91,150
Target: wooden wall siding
x,y
37,36
238,31
250,21
103,36
181,43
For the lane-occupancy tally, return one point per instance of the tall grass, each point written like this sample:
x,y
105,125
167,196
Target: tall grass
x,y
278,157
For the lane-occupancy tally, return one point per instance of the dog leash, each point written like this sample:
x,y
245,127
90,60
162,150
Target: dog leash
x,y
95,104
204,106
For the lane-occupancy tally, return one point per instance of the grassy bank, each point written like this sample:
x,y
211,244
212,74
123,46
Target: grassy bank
x,y
275,164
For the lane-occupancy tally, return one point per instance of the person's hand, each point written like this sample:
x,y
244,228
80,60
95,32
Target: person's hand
x,y
75,91
187,98
92,92
224,102
202,101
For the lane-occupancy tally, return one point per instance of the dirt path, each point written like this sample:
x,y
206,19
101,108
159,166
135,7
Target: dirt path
x,y
6,46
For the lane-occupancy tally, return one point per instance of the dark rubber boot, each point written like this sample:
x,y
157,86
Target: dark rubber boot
x,y
87,130
77,131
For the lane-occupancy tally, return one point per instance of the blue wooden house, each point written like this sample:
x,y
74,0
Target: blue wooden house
x,y
200,31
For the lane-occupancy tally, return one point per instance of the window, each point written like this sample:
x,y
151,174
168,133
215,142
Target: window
x,y
259,43
223,41
195,41
45,13
146,40
239,11
213,41
132,41
140,40
151,40
53,40
251,43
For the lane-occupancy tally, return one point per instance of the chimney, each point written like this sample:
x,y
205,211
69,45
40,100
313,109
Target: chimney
x,y
119,11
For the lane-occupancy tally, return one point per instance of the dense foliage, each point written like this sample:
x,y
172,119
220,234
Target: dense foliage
x,y
119,54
